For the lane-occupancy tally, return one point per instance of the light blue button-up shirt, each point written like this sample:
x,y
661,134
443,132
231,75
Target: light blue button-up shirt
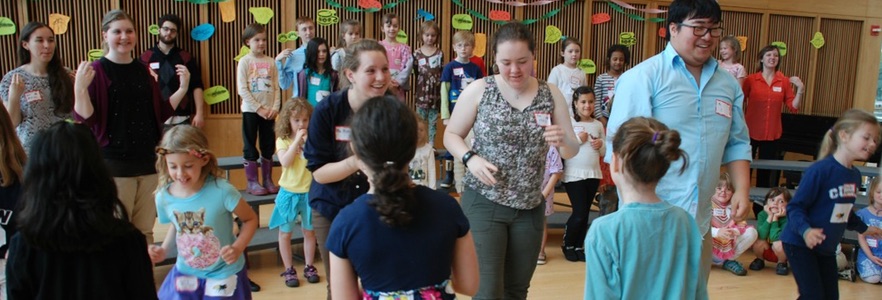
x,y
288,72
709,118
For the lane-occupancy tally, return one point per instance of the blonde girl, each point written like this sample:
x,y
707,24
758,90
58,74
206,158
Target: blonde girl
x,y
428,63
730,58
869,259
350,32
567,76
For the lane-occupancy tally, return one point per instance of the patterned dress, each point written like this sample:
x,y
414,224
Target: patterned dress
x,y
37,112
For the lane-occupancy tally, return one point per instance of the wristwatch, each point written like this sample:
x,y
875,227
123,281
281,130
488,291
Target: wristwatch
x,y
467,156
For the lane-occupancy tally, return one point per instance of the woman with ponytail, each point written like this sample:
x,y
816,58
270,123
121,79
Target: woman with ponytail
x,y
418,226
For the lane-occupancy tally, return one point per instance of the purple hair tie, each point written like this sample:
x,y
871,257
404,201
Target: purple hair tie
x,y
655,137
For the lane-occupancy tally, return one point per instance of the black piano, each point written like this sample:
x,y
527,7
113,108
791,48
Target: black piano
x,y
803,134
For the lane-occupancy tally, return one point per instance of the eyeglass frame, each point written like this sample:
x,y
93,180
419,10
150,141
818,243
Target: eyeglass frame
x,y
696,28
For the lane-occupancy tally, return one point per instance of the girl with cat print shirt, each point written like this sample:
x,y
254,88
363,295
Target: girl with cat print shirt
x,y
199,203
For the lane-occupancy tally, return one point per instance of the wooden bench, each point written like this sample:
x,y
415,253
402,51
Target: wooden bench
x,y
792,165
264,238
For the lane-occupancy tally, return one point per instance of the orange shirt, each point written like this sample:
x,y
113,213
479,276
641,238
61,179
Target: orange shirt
x,y
764,102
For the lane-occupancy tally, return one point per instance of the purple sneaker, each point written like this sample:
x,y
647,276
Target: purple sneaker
x,y
290,278
311,274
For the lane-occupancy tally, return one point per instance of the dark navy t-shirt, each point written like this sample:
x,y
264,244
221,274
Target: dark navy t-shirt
x,y
459,75
400,258
8,199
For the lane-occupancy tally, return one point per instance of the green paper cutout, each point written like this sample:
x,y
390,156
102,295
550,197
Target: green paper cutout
x,y
616,7
627,39
153,29
587,65
290,36
262,15
552,34
327,17
95,54
636,17
462,22
7,27
401,37
216,94
782,47
818,40
242,52
656,20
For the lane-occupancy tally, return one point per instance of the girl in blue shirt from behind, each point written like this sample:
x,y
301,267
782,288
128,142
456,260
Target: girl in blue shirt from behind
x,y
821,209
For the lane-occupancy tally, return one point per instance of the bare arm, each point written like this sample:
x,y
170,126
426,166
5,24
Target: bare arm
x,y
465,266
13,101
740,172
82,100
286,156
336,171
344,281
231,253
184,74
569,145
199,101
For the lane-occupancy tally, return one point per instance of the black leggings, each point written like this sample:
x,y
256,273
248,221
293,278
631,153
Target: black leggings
x,y
581,195
766,150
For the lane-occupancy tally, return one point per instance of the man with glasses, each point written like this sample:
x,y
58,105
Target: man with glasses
x,y
162,59
684,88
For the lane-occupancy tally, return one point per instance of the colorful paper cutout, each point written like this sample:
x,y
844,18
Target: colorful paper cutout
x,y
262,15
425,15
662,32
782,47
327,17
202,32
401,37
7,27
480,45
58,23
242,52
552,34
462,22
521,3
290,36
227,10
742,40
629,6
216,94
600,18
818,40
370,4
588,66
153,29
500,15
627,39
95,54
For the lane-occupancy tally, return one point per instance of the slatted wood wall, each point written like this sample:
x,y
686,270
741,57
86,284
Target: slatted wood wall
x,y
9,56
83,30
570,20
797,62
836,67
607,34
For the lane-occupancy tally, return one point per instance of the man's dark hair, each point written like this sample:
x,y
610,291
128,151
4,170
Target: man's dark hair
x,y
681,10
171,18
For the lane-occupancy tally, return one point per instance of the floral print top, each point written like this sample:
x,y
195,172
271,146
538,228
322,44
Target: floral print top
x,y
37,113
428,88
512,141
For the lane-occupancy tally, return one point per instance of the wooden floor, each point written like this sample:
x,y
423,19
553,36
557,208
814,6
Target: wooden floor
x,y
559,279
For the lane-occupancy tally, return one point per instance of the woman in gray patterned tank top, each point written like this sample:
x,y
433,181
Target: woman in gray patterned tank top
x,y
515,118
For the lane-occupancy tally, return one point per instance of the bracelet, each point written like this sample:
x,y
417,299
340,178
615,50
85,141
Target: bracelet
x,y
467,156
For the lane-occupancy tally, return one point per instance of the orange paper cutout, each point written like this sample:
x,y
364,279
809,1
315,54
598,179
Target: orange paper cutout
x,y
500,15
370,4
227,10
600,18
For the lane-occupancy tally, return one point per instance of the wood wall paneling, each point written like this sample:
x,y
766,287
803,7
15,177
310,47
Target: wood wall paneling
x,y
9,58
837,67
83,30
607,34
485,27
570,20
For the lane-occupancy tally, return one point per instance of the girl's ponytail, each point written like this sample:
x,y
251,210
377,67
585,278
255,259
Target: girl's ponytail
x,y
850,121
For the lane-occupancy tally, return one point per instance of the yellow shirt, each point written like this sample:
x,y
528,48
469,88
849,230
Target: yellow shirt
x,y
295,178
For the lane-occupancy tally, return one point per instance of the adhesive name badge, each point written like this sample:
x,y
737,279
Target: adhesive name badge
x,y
543,119
575,81
422,62
315,80
435,61
321,95
186,283
578,129
840,212
263,72
342,133
154,65
719,212
458,71
221,287
33,96
724,108
873,243
776,89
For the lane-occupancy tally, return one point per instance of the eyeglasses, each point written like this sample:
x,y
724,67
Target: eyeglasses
x,y
168,29
701,30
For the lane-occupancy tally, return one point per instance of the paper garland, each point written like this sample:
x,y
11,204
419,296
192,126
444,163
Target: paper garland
x,y
202,32
818,40
483,17
782,47
480,45
637,17
552,34
356,9
521,3
203,1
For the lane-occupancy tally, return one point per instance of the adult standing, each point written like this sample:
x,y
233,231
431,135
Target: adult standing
x,y
515,118
764,93
684,88
40,91
162,59
120,102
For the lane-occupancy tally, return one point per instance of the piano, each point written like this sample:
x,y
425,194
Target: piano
x,y
803,134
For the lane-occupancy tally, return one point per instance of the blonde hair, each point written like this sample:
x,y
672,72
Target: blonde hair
x,y
110,17
12,155
184,139
291,108
873,185
463,36
736,46
850,121
724,179
345,28
429,25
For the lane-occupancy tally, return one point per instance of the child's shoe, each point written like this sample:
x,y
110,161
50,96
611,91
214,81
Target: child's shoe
x,y
734,267
254,286
311,274
580,254
542,259
782,269
291,278
570,253
757,264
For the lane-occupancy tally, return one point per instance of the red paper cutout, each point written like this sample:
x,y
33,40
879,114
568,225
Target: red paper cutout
x,y
366,4
662,32
600,18
500,15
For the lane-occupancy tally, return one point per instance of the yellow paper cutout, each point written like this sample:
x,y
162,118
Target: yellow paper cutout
x,y
742,40
327,17
95,54
401,37
627,39
587,65
818,40
58,23
290,36
7,27
552,34
216,94
227,10
782,47
153,29
262,15
242,52
462,22
480,45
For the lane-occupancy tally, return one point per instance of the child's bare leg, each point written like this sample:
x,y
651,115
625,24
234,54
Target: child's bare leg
x,y
544,238
759,247
309,246
779,251
285,248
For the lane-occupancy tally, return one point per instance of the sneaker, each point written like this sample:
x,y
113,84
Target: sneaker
x,y
570,253
782,269
580,254
541,260
447,182
734,267
253,285
290,278
757,264
311,274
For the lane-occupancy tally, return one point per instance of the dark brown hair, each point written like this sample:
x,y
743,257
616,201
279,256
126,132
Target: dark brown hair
x,y
60,82
647,147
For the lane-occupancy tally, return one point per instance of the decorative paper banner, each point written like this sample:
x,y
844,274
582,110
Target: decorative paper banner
x,y
242,52
262,15
203,1
401,37
500,15
153,29
216,94
818,40
425,15
95,54
480,45
600,18
227,10
742,40
462,22
7,27
552,34
521,3
374,8
627,39
587,65
782,47
663,33
290,36
483,17
646,10
637,17
327,17
370,4
202,32
58,23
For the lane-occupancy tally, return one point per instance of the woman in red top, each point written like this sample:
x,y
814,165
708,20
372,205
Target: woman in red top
x,y
764,93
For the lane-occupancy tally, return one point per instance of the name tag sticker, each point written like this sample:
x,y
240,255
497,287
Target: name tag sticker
x,y
543,119
579,129
33,96
186,283
458,71
315,80
154,65
724,108
422,61
873,243
342,133
840,212
776,89
719,212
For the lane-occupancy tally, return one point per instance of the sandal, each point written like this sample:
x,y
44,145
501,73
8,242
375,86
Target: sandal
x,y
541,260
